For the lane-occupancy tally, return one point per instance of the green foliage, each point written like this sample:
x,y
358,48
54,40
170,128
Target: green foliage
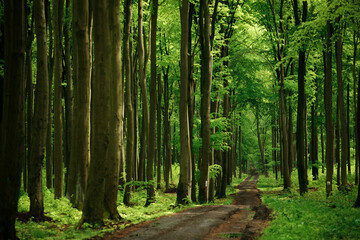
x,y
313,215
214,170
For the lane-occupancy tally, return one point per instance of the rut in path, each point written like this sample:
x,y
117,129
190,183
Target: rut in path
x,y
244,219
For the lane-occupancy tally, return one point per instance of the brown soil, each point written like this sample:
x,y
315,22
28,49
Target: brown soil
x,y
244,219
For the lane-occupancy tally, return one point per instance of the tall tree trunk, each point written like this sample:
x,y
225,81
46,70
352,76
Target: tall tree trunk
x,y
357,203
12,113
240,152
184,186
338,140
314,143
158,179
49,152
130,156
206,78
80,143
191,106
329,128
68,93
100,96
343,123
144,95
166,138
261,146
152,136
58,9
38,137
357,149
116,123
300,128
29,89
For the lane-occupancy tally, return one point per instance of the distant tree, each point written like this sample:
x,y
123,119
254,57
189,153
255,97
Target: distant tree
x,y
12,115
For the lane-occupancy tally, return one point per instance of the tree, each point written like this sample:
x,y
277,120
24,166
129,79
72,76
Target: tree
x,y
12,116
152,121
116,121
58,8
130,157
340,91
184,186
40,119
300,129
80,153
94,197
206,77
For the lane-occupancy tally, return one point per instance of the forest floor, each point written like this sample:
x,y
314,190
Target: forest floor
x,y
245,218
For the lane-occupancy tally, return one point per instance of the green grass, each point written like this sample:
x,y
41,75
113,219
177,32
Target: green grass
x,y
312,216
65,218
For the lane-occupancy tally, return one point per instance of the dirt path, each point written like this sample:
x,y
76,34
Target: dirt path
x,y
244,219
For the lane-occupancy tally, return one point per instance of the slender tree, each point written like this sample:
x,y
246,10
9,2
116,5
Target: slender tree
x,y
58,9
130,157
152,136
38,137
300,128
184,186
12,116
206,78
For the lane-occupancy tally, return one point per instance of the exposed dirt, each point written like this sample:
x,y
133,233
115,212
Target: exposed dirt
x,y
244,219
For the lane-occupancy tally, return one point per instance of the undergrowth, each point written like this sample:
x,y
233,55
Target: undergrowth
x,y
312,216
65,219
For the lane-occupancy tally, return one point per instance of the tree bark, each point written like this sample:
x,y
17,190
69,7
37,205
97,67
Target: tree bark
x,y
130,128
12,115
38,138
80,154
158,179
329,128
116,123
58,9
184,186
68,94
343,123
300,128
206,79
100,94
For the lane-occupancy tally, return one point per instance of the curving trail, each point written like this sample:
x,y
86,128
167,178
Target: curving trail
x,y
244,219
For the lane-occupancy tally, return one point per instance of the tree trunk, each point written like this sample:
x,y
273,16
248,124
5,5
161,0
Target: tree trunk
x,y
343,123
130,128
68,94
144,95
116,123
184,186
261,146
357,154
152,120
314,143
58,9
100,96
240,152
12,114
300,128
158,179
80,154
49,152
38,138
329,128
166,137
357,203
206,78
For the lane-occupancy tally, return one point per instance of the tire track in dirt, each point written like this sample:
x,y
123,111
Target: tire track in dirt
x,y
244,219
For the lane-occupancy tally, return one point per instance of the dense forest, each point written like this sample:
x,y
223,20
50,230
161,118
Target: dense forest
x,y
103,99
